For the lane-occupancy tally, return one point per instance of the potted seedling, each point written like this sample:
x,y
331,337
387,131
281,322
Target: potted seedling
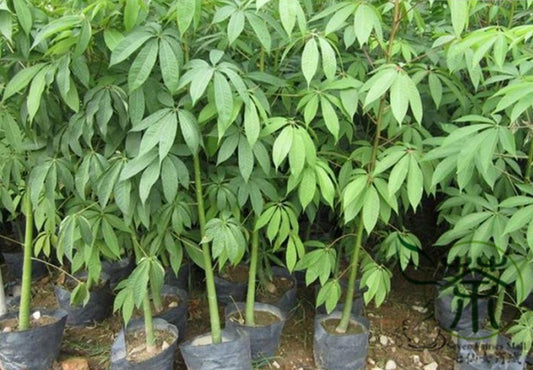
x,y
32,340
150,342
263,322
220,348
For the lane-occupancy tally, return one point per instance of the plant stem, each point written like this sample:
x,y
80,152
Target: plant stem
x,y
3,305
529,162
252,272
148,324
350,289
25,294
499,306
157,302
498,310
214,318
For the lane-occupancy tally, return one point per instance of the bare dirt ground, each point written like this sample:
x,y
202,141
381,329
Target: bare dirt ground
x,y
403,331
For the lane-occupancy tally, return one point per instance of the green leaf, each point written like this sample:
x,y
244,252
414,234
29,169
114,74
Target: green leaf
x,y
169,180
167,134
265,217
185,14
338,19
260,30
398,174
329,294
379,84
329,61
131,13
260,3
282,145
287,15
371,209
246,159
307,188
297,154
107,182
327,188
444,169
330,117
199,83
11,130
148,179
189,130
112,38
154,133
142,65
24,15
235,26
169,64
122,195
21,80
223,100
398,99
273,225
137,164
415,183
520,218
6,25
388,161
56,26
35,93
227,148
414,98
459,13
435,88
252,126
80,295
128,45
110,238
310,58
138,281
364,20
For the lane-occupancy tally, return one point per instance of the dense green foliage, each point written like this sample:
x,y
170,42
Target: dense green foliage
x,y
357,110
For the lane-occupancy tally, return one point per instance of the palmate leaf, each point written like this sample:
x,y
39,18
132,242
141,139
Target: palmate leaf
x,y
371,209
21,79
310,59
307,188
24,15
185,14
223,100
170,68
330,117
260,29
282,145
235,26
398,98
128,45
143,64
379,84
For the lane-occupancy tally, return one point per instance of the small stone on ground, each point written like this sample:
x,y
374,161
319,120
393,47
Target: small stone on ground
x,y
390,365
431,366
75,363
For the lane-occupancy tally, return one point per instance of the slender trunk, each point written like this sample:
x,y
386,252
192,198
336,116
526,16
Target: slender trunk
x,y
25,294
214,318
148,324
498,310
3,305
350,289
157,302
252,274
529,162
